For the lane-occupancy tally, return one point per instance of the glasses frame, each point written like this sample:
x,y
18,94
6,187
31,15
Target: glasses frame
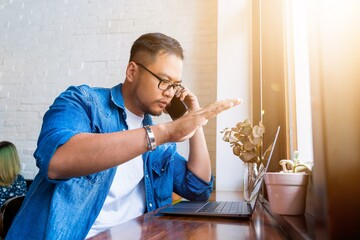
x,y
172,85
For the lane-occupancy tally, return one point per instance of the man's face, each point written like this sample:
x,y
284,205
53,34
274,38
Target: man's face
x,y
150,98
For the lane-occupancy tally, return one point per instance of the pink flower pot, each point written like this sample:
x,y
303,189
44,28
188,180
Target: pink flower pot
x,y
287,192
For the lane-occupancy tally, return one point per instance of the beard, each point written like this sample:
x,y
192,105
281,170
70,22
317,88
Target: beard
x,y
148,110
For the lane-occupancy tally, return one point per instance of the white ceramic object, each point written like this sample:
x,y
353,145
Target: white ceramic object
x,y
287,192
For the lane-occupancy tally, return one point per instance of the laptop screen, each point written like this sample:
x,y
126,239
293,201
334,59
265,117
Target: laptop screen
x,y
222,208
268,154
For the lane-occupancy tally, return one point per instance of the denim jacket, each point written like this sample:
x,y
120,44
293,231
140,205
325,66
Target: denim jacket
x,y
66,209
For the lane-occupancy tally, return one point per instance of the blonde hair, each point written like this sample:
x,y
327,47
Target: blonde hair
x,y
9,163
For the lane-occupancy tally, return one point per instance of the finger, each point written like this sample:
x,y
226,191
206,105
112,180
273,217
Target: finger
x,y
221,105
179,91
236,101
183,93
227,104
214,109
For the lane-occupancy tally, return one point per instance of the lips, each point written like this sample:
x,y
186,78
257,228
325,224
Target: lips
x,y
163,104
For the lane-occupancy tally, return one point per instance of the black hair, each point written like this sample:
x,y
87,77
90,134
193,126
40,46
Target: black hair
x,y
151,44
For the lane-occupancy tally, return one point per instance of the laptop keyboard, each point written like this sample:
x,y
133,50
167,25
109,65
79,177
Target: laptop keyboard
x,y
222,207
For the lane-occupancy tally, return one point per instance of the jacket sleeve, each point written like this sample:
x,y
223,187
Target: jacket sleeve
x,y
187,184
66,117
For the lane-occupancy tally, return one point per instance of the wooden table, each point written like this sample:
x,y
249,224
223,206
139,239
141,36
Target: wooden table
x,y
155,226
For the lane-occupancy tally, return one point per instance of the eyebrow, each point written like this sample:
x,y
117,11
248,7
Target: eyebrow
x,y
168,78
160,75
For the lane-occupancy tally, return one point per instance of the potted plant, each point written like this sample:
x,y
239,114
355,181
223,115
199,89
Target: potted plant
x,y
287,188
246,142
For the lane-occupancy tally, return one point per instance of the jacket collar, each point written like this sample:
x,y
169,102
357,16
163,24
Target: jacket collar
x,y
118,99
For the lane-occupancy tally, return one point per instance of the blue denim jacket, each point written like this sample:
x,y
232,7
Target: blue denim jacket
x,y
66,209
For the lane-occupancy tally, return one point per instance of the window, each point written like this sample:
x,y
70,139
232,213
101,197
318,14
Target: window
x,y
281,82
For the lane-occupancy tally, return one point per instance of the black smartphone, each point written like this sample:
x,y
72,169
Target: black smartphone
x,y
176,108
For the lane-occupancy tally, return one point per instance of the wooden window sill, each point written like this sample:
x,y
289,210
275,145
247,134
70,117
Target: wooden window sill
x,y
294,227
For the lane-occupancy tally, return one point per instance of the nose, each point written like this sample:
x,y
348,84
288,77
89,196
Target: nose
x,y
170,92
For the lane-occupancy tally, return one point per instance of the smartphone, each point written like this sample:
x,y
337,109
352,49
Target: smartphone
x,y
176,108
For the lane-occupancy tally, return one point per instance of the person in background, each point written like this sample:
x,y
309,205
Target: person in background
x,y
102,161
12,184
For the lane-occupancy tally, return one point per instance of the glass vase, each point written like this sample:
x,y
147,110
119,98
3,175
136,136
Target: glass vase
x,y
250,175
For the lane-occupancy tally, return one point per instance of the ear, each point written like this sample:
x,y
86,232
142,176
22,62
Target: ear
x,y
131,71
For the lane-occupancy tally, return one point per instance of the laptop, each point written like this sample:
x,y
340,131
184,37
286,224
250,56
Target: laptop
x,y
238,209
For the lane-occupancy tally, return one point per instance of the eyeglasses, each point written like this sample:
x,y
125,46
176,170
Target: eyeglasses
x,y
163,84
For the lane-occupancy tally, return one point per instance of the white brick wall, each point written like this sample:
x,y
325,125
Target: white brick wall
x,y
45,46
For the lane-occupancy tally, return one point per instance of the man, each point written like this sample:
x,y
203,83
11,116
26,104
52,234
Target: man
x,y
102,161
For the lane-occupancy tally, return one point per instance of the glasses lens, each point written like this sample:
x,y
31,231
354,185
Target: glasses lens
x,y
165,85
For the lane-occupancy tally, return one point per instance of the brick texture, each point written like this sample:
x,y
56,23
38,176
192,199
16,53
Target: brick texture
x,y
45,46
